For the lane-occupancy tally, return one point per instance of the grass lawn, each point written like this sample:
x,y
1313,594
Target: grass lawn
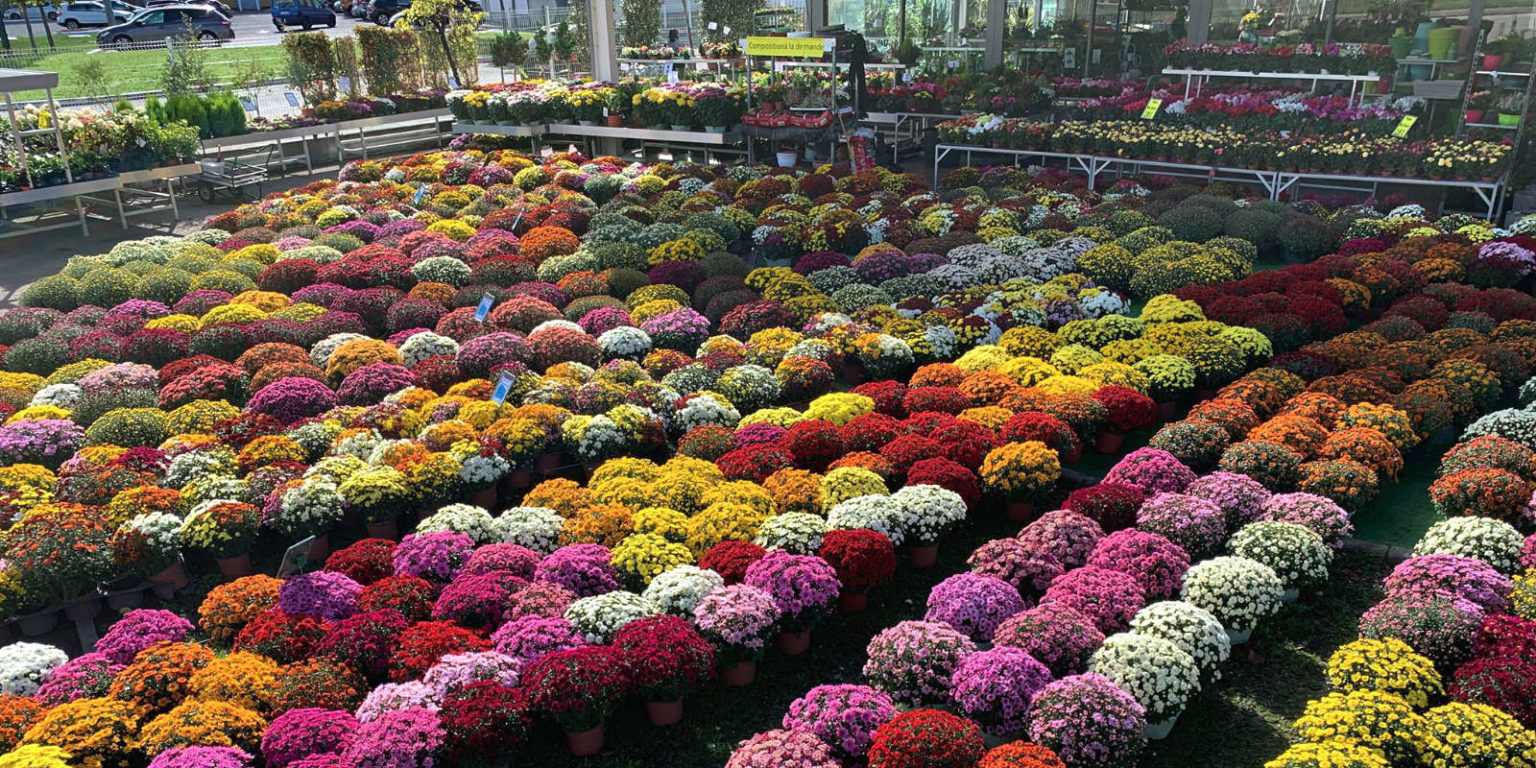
x,y
133,71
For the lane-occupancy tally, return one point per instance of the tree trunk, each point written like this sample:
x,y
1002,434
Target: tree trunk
x,y
453,66
26,19
48,30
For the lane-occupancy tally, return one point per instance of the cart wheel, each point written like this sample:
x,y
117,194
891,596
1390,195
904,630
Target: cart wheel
x,y
205,192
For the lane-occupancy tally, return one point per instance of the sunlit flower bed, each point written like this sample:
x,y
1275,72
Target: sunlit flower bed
x,y
624,460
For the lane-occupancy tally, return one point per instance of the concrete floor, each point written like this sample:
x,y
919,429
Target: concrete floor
x,y
26,258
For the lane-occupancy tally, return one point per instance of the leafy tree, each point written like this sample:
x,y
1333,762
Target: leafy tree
x,y
445,19
642,22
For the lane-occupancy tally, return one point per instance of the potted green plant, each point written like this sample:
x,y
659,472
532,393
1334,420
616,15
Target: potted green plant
x,y
716,110
1511,109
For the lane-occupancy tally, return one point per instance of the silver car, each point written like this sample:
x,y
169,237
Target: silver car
x,y
90,13
154,26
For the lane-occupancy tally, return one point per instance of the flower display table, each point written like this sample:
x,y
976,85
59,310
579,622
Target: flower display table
x,y
1275,183
1194,79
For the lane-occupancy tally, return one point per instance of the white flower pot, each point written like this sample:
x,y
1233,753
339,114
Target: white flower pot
x,y
1161,729
787,159
1290,595
1238,637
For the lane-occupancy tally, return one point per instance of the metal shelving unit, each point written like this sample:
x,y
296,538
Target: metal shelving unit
x,y
46,213
1500,82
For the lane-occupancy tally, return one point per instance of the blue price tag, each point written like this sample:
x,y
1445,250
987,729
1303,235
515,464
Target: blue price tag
x,y
503,387
486,300
293,101
421,192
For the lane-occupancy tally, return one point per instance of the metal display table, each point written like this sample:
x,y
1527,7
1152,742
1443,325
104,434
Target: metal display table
x,y
904,128
1275,183
137,193
1194,79
55,207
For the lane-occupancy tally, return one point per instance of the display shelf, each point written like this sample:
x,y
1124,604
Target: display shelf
x,y
159,174
525,131
1494,126
59,191
1194,79
1275,183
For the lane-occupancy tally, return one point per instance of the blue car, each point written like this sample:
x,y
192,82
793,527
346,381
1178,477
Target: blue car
x,y
301,13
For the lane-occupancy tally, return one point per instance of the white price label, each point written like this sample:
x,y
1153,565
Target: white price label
x,y
954,64
713,26
727,30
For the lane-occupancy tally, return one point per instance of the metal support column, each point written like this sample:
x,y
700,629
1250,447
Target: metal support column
x,y
1199,23
815,15
605,54
997,27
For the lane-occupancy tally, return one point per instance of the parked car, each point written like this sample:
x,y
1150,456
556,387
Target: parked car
x,y
36,13
91,13
301,13
343,7
161,23
217,5
381,11
389,17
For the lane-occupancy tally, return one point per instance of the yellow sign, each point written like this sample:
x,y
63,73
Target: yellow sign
x,y
792,47
1151,109
1404,125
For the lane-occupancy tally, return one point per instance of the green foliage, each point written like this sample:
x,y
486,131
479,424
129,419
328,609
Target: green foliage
x,y
736,14
449,43
311,64
581,34
508,49
565,42
1195,223
642,21
346,66
92,75
391,59
186,68
1255,226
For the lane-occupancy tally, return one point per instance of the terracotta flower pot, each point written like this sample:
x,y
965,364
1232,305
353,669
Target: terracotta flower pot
x,y
615,121
235,567
320,548
384,529
1110,443
664,713
739,675
547,464
485,499
1167,411
852,602
176,576
794,643
586,743
1019,511
923,555
1073,456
